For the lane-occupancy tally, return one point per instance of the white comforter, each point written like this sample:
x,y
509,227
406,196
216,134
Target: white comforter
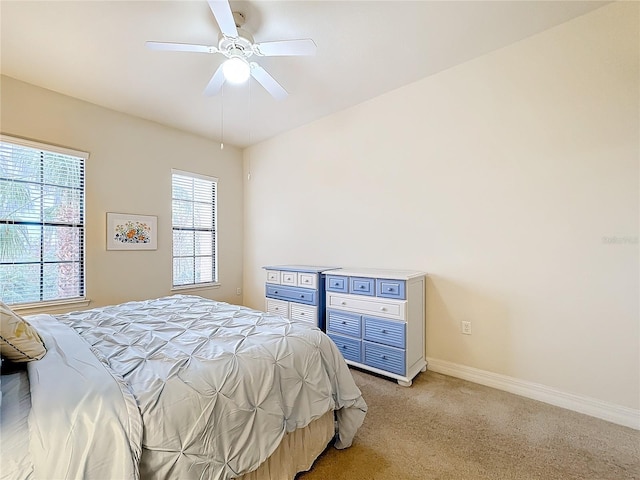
x,y
181,387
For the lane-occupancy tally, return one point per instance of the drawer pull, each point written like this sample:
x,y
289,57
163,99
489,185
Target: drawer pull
x,y
302,314
336,284
301,296
361,287
343,303
344,347
383,331
344,322
276,292
390,289
383,309
384,357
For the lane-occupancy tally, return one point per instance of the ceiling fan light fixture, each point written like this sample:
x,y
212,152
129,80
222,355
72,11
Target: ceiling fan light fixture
x,y
236,70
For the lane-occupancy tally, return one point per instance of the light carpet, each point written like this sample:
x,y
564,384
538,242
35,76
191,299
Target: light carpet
x,y
446,428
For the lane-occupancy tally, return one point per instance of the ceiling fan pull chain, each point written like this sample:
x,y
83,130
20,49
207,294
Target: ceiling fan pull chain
x,y
249,115
222,117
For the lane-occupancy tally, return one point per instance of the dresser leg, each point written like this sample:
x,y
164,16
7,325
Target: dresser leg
x,y
402,383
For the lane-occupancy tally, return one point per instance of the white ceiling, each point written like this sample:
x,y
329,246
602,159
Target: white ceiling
x,y
95,51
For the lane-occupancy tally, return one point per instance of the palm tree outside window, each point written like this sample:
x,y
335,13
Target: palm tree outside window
x,y
42,222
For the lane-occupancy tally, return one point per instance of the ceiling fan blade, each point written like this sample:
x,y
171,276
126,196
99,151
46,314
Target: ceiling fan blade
x,y
268,82
181,47
305,46
224,16
215,84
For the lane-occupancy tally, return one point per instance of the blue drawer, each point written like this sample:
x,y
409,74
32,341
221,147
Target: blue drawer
x,y
390,288
349,347
383,331
336,284
345,323
292,294
385,358
362,286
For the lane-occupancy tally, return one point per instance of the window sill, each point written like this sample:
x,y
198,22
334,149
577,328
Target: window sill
x,y
49,307
202,286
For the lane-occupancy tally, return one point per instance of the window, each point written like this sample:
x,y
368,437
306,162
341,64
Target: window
x,y
194,229
41,222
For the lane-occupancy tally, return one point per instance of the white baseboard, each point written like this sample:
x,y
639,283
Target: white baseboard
x,y
618,414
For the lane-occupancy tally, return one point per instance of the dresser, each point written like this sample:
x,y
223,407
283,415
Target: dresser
x,y
377,319
297,292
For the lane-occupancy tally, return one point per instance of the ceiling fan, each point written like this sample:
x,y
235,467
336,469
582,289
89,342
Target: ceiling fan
x,y
238,46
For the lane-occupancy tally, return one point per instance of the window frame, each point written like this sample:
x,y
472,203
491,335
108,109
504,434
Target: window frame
x,y
215,274
82,224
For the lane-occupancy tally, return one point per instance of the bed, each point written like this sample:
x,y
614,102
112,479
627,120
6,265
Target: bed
x,y
176,387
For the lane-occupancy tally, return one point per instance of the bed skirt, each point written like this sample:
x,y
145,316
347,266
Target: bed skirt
x,y
297,451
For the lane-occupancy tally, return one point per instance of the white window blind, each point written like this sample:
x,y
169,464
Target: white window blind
x,y
42,225
194,229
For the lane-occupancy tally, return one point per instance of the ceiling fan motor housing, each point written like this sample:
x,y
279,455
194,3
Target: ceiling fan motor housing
x,y
240,46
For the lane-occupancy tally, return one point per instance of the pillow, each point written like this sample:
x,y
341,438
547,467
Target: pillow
x,y
19,341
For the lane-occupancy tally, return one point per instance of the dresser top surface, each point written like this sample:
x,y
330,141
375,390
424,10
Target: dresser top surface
x,y
300,268
379,273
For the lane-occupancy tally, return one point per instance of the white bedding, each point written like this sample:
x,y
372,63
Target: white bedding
x,y
15,404
181,386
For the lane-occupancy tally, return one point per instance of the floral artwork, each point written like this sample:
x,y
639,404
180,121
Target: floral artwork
x,y
131,232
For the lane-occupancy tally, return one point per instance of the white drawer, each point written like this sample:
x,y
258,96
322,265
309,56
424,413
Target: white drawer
x,y
380,308
289,278
278,307
308,280
273,276
305,313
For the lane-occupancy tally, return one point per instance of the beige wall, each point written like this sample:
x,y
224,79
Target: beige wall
x,y
129,171
509,179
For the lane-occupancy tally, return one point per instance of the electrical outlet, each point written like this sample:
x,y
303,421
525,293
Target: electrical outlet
x,y
238,291
465,327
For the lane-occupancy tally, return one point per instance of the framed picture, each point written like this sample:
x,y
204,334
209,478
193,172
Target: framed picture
x,y
131,232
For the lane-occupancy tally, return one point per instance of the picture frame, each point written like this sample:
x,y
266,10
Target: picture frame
x,y
131,232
